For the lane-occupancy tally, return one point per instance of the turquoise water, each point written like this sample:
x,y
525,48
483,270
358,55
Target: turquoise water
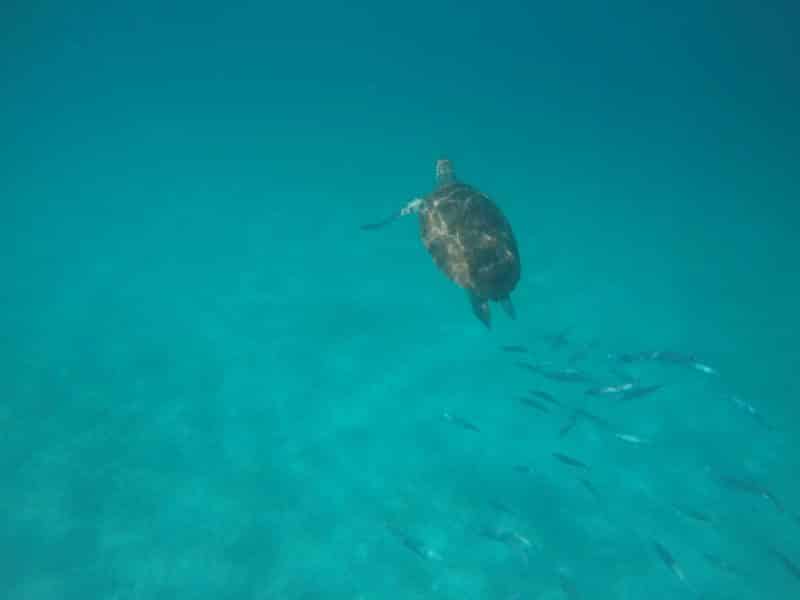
x,y
215,385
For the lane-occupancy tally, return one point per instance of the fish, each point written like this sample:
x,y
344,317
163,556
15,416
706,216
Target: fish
x,y
578,356
664,555
568,375
675,358
631,357
510,538
570,424
567,584
568,460
787,563
523,469
597,421
703,368
631,439
639,391
557,340
608,390
414,545
722,565
671,564
502,508
692,513
579,414
678,358
463,423
545,396
749,487
534,404
527,366
591,488
380,224
515,349
750,410
623,375
506,536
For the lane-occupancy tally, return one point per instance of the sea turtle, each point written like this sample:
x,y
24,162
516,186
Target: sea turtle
x,y
469,239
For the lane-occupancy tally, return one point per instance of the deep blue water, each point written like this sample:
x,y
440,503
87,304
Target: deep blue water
x,y
215,385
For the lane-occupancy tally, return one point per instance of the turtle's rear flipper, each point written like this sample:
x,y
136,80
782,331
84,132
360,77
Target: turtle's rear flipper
x,y
481,308
508,306
411,208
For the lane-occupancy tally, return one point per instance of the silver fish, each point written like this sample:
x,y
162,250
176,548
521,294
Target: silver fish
x,y
514,349
594,419
749,409
703,368
639,391
567,584
787,563
667,558
557,340
722,565
749,487
568,375
609,390
568,460
459,421
534,404
510,538
570,424
692,513
591,489
414,544
545,396
631,439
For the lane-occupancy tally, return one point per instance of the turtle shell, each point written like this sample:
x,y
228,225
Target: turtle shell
x,y
470,240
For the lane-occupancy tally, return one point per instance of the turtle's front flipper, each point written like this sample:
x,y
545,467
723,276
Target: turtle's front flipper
x,y
508,306
481,308
411,208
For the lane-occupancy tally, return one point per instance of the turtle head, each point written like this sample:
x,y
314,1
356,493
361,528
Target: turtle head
x,y
444,172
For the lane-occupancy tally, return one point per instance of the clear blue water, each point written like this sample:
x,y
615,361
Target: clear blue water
x,y
214,385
